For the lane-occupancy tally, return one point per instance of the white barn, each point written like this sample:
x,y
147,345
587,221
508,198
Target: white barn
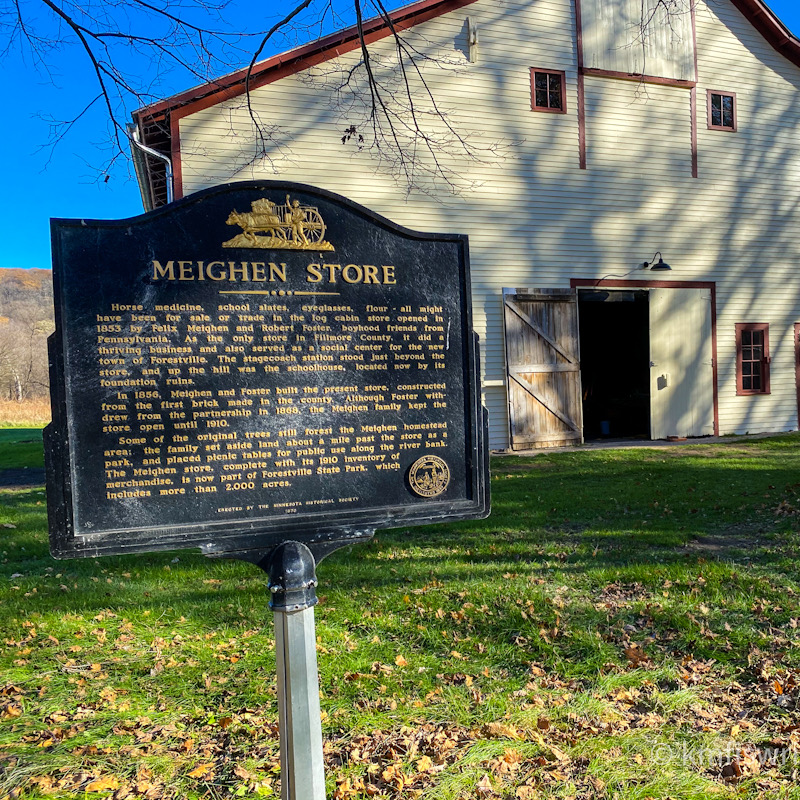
x,y
596,150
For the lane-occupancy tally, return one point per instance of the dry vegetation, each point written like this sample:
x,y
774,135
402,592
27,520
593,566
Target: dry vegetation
x,y
32,413
26,320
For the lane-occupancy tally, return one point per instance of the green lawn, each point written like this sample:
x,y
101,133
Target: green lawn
x,y
624,625
20,448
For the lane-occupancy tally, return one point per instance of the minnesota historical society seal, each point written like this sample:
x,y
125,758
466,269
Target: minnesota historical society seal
x,y
429,476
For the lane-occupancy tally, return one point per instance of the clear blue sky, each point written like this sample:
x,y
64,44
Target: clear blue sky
x,y
40,184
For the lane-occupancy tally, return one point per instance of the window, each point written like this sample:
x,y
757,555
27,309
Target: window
x,y
548,91
752,358
721,111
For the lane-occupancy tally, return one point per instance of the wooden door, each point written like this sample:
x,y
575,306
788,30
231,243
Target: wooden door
x,y
543,367
681,363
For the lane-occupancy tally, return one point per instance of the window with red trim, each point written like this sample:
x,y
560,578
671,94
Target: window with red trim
x,y
752,358
548,90
721,111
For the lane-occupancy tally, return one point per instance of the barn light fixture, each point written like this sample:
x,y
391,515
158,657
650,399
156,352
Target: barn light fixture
x,y
658,265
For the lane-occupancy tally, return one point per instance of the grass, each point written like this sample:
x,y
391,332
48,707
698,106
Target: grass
x,y
624,625
21,448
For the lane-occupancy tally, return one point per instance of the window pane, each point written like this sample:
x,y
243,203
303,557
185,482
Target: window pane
x,y
540,80
746,382
555,99
758,338
747,337
541,98
747,368
727,111
756,379
716,109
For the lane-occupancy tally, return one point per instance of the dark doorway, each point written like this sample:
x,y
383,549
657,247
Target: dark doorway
x,y
615,363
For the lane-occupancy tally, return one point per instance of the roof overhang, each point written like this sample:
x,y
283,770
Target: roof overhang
x,y
764,20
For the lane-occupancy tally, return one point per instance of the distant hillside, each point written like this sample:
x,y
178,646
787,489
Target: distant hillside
x,y
33,279
26,320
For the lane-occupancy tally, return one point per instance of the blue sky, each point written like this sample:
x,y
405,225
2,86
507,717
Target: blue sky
x,y
67,182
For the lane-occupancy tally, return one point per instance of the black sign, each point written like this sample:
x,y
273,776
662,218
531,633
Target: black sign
x,y
258,362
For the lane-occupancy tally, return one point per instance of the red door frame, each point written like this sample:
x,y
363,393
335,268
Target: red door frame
x,y
797,367
583,283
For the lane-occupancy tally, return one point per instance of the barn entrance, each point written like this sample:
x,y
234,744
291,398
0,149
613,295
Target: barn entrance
x,y
635,360
615,363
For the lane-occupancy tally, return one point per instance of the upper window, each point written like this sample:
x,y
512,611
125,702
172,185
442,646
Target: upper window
x,y
721,111
548,91
752,358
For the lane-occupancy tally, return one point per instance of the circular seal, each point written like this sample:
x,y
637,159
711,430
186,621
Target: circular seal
x,y
429,476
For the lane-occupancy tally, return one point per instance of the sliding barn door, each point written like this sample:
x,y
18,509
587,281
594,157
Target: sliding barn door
x,y
543,367
681,363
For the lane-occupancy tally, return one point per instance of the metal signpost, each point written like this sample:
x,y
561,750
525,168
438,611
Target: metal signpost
x,y
292,582
264,371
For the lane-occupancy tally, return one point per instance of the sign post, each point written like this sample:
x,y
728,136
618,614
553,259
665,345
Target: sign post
x,y
292,583
264,371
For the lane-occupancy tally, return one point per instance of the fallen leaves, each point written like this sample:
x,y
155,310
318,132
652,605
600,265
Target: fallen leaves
x,y
500,730
636,656
204,771
102,784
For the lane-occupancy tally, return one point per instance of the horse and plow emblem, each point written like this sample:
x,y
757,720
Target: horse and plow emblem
x,y
279,227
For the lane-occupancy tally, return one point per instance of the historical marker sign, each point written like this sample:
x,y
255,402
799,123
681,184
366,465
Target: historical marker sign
x,y
259,362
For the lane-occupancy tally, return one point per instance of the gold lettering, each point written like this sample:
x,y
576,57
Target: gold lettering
x,y
234,269
359,274
185,271
279,271
167,272
258,270
211,275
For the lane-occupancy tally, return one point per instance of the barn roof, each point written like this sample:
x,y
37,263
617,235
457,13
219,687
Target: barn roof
x,y
158,122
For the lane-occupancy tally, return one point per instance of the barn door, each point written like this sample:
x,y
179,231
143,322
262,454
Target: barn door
x,y
681,363
543,367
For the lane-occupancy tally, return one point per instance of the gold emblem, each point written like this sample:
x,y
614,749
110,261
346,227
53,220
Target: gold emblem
x,y
429,476
287,227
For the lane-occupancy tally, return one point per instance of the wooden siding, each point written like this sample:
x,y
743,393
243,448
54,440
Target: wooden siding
x,y
613,38
631,126
533,217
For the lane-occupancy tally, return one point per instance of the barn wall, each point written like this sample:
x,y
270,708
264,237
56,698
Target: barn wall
x,y
533,216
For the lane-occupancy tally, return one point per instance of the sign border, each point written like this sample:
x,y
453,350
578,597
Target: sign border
x,y
322,532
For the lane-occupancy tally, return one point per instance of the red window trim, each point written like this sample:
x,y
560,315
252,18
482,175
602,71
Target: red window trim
x,y
765,359
797,365
637,77
543,109
709,93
